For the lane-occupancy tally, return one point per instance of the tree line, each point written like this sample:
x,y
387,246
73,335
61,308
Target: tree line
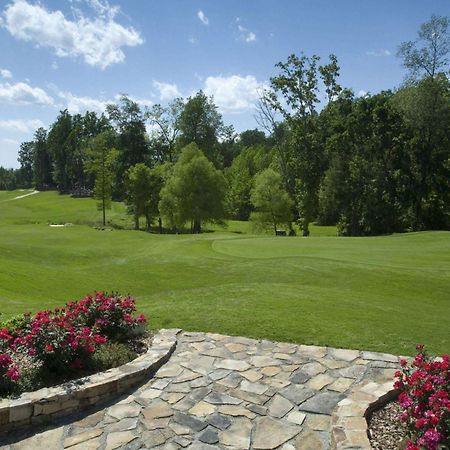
x,y
371,165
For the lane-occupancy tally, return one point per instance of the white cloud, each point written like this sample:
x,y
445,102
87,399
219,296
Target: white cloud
x,y
192,40
235,93
54,65
361,93
203,19
97,40
166,91
78,105
23,94
379,53
5,73
246,35
21,125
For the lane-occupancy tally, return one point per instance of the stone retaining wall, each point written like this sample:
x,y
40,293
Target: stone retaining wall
x,y
48,403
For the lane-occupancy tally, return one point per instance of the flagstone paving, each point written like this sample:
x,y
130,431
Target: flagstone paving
x,y
223,392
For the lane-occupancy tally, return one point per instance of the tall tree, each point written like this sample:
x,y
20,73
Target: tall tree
x,y
425,103
42,161
102,162
132,141
200,123
141,194
195,191
26,163
428,55
60,150
165,121
298,84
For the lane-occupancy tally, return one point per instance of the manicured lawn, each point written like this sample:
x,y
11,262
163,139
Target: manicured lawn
x,y
383,293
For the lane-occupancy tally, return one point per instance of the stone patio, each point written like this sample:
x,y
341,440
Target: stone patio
x,y
222,392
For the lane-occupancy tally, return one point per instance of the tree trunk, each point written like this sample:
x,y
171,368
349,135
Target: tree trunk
x,y
136,222
197,226
160,225
104,210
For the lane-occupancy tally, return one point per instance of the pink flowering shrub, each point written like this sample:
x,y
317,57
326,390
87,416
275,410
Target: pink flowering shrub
x,y
65,339
425,398
111,314
9,372
59,343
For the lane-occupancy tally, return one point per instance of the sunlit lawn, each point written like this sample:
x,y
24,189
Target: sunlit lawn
x,y
383,293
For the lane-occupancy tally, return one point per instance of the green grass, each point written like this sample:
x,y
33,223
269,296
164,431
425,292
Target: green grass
x,y
382,293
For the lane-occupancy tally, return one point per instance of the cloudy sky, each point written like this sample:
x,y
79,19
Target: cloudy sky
x,y
81,54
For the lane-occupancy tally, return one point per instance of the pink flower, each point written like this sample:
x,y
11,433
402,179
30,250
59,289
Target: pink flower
x,y
13,373
5,360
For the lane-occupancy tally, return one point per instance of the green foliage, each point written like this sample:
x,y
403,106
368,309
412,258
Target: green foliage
x,y
427,56
298,83
132,140
166,121
42,162
26,164
19,321
240,176
201,123
102,163
272,203
111,354
142,193
194,193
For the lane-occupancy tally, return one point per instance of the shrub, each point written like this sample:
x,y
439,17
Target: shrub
x,y
58,343
19,321
425,398
111,314
112,354
65,339
9,372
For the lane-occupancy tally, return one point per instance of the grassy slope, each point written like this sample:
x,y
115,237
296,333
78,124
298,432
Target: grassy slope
x,y
383,293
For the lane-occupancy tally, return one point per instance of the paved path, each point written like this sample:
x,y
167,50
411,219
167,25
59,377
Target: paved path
x,y
222,392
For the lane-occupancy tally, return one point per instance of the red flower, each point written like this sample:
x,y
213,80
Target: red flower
x,y
13,373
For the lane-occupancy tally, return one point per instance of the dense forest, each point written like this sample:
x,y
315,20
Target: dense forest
x,y
372,165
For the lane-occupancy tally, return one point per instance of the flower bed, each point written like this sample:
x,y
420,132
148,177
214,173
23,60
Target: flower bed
x,y
81,337
425,399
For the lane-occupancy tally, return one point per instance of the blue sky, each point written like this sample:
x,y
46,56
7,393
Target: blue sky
x,y
80,54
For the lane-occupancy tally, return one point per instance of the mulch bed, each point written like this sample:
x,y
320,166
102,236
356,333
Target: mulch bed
x,y
386,432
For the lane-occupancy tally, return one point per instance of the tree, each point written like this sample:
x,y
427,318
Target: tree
x,y
271,201
42,162
298,83
428,55
425,103
57,142
165,120
102,162
195,191
7,179
160,174
249,138
26,163
132,141
141,193
240,176
201,123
